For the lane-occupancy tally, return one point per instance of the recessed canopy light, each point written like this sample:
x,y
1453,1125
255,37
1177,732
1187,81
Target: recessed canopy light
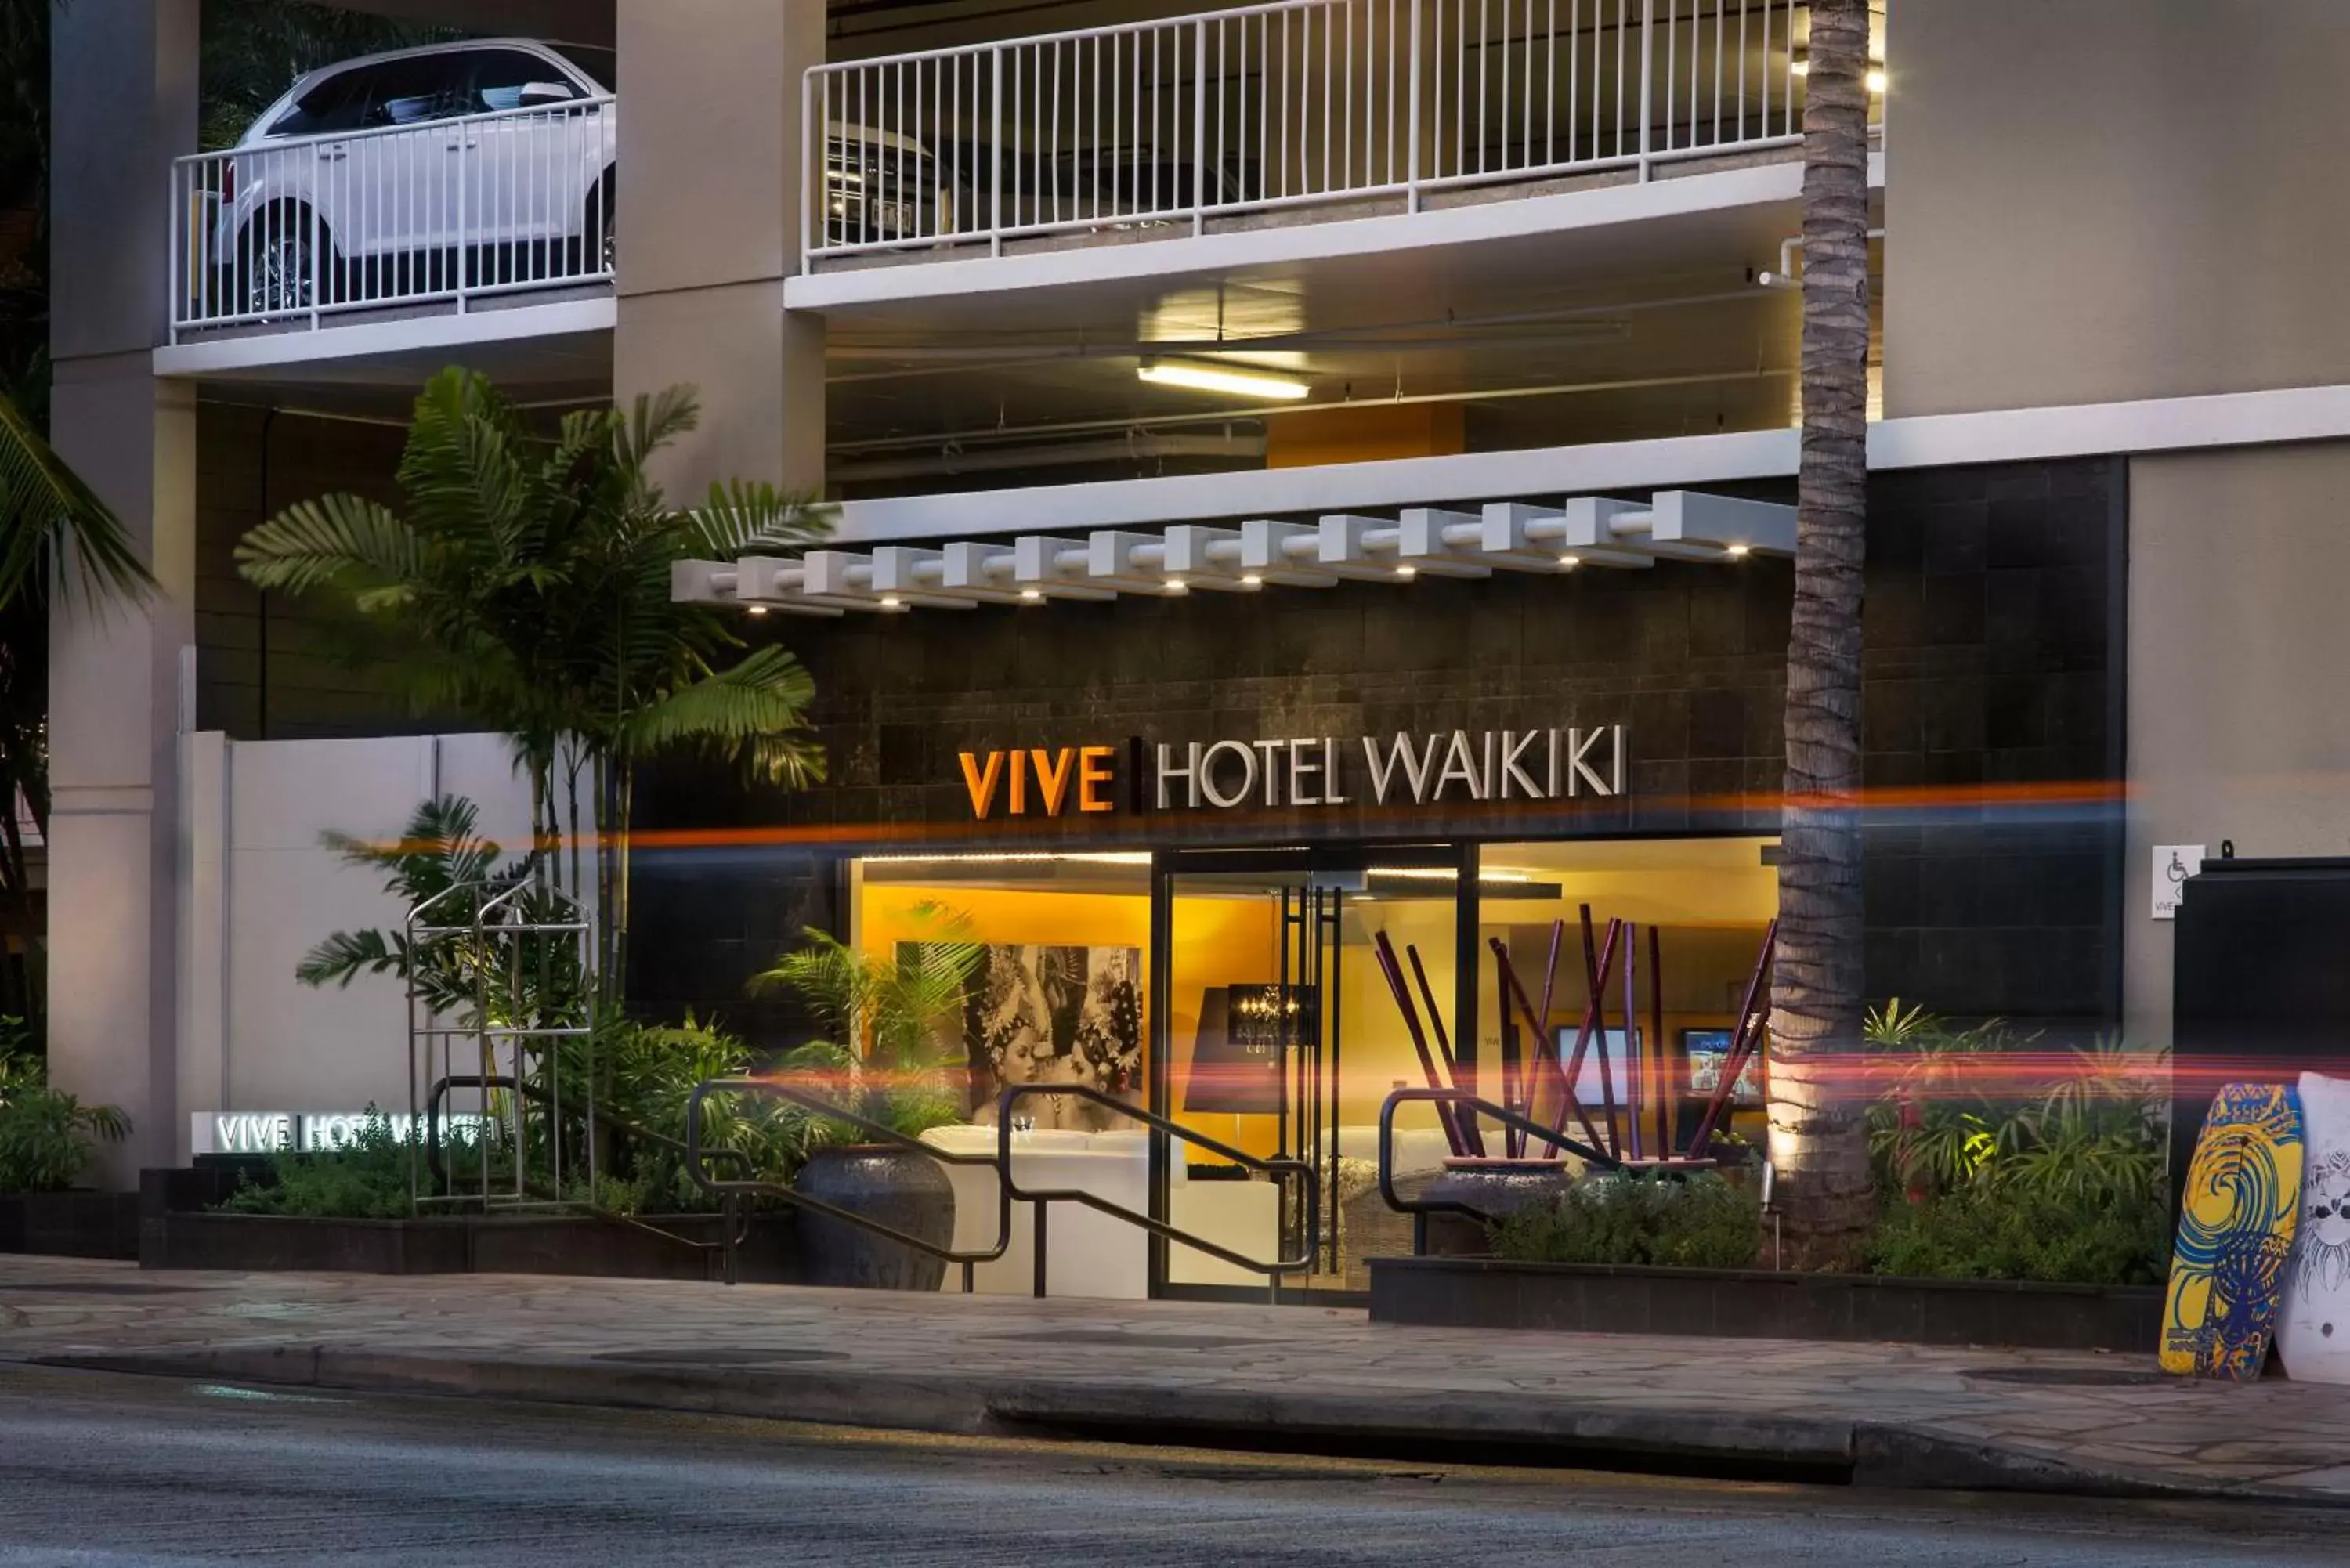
x,y
758,609
1407,573
1568,562
1735,552
1252,581
891,601
1176,585
1032,596
1202,377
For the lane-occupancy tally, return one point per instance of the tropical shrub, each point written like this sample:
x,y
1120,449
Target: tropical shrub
x,y
364,1176
1979,1105
1701,1221
2004,1162
884,1057
46,1136
1981,1232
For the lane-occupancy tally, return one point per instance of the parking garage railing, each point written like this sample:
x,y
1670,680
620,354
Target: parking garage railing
x,y
1298,103
452,213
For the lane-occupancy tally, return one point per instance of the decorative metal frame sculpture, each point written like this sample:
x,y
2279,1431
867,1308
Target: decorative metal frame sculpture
x,y
517,939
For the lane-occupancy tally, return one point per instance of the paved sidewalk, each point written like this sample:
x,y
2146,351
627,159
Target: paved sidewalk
x,y
1884,1415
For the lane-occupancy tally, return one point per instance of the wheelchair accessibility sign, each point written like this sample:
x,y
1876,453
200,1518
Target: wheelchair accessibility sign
x,y
2173,864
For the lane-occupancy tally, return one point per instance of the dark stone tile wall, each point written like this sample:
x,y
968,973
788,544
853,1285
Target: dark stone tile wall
x,y
1992,730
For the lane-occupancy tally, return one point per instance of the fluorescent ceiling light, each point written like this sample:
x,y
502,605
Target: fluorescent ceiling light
x,y
1221,379
1441,873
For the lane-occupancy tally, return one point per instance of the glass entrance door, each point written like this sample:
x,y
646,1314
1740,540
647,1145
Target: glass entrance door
x,y
1279,1035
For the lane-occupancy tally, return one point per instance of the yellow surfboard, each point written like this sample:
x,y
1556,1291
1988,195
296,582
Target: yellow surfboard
x,y
2235,1230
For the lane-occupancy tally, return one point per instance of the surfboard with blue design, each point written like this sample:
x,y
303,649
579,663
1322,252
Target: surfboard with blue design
x,y
2236,1223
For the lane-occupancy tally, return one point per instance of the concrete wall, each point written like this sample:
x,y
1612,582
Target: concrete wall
x,y
258,890
117,679
2102,199
2237,641
712,87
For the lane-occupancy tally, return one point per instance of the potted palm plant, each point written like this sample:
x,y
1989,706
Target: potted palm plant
x,y
884,1058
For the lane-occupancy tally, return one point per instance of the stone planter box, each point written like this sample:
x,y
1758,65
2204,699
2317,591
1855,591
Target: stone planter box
x,y
466,1244
1489,1292
70,1224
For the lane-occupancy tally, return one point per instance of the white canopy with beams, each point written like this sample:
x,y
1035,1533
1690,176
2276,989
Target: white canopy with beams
x,y
1429,540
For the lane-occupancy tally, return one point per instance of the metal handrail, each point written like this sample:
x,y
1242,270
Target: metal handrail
x,y
1420,1209
1008,1189
823,1107
1278,1167
451,123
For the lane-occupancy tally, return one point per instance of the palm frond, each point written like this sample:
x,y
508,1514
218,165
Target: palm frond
x,y
48,513
741,519
338,541
345,956
755,710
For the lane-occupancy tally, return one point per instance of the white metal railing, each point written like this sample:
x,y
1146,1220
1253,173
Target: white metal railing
x,y
1285,104
293,230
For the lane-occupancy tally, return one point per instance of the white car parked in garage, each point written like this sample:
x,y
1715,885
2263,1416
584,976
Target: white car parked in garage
x,y
452,170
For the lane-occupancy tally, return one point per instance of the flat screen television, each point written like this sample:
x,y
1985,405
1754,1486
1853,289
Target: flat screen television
x,y
1618,1048
1707,1050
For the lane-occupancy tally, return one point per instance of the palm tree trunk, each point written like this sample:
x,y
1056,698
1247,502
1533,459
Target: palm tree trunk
x,y
1817,1138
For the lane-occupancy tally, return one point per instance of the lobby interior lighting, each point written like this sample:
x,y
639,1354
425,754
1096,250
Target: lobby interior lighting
x,y
1019,857
1205,378
1441,874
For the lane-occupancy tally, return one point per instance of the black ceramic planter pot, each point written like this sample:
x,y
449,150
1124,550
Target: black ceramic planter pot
x,y
895,1187
1498,1189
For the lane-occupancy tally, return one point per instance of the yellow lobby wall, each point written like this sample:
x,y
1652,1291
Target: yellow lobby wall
x,y
1223,942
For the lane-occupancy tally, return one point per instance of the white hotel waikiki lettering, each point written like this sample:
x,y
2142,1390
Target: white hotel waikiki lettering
x,y
1418,769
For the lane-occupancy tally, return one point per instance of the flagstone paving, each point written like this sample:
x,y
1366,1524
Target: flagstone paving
x,y
1884,1413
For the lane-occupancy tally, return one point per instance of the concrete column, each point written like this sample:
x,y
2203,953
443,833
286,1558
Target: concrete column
x,y
710,172
125,105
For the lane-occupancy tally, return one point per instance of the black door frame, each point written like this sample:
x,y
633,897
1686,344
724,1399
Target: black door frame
x,y
1459,856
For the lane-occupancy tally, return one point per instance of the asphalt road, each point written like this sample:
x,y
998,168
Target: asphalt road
x,y
102,1469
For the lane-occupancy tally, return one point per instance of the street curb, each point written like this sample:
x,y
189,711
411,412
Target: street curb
x,y
1867,1454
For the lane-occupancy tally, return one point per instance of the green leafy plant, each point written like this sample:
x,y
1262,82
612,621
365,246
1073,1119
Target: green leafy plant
x,y
1981,1232
364,1176
1954,1116
46,1136
526,585
884,1058
2009,1166
647,1073
1702,1221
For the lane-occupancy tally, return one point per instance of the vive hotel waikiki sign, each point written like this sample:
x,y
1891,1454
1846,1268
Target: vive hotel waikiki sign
x,y
1447,767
